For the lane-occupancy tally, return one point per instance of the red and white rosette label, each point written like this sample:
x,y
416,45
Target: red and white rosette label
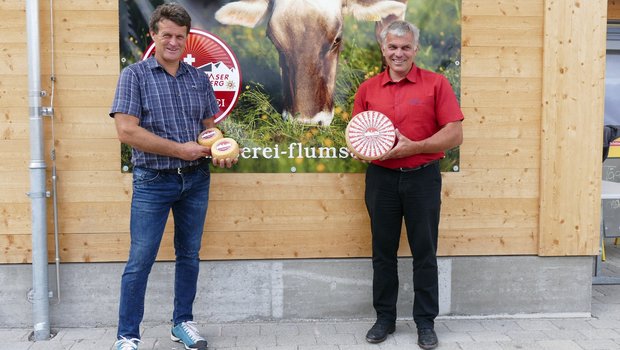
x,y
370,135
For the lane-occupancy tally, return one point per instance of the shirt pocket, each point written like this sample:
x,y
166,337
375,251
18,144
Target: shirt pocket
x,y
195,102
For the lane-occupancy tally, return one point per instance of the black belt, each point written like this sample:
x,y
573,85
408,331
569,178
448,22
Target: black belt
x,y
407,170
184,170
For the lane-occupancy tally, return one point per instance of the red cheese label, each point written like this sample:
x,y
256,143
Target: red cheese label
x,y
223,146
208,134
370,135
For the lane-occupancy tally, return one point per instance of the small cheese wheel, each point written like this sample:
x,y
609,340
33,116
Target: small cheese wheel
x,y
209,136
370,135
225,148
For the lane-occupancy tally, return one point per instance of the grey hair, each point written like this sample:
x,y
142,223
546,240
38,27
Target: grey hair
x,y
400,29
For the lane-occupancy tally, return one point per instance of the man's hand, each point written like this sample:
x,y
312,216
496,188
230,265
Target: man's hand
x,y
192,150
404,147
225,163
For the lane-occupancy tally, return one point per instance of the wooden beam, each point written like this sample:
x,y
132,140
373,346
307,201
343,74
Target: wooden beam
x,y
572,129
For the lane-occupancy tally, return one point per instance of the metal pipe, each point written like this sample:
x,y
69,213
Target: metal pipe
x,y
37,194
56,231
53,157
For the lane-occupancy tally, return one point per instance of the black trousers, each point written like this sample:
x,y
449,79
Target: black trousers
x,y
392,195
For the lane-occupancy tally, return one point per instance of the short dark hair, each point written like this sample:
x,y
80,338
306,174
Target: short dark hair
x,y
173,12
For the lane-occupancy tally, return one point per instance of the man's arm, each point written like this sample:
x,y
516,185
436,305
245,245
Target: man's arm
x,y
208,123
449,136
131,133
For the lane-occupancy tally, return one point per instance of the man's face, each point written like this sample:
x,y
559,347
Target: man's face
x,y
399,52
169,41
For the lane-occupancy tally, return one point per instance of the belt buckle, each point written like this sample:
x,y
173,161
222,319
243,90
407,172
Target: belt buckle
x,y
179,171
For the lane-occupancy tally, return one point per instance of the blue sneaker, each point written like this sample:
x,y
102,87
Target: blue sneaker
x,y
187,333
126,344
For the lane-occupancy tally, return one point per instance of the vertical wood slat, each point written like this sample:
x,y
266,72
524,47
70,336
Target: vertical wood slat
x,y
613,10
572,114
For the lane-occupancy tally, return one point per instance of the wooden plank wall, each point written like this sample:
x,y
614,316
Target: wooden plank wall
x,y
491,207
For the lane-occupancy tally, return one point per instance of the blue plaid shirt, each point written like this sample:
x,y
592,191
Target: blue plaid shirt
x,y
170,107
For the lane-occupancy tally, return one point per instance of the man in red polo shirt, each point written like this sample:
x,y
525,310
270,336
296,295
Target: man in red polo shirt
x,y
406,182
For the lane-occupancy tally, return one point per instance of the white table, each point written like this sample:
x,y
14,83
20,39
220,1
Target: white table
x,y
609,190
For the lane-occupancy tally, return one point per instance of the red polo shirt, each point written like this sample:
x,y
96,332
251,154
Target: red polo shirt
x,y
418,105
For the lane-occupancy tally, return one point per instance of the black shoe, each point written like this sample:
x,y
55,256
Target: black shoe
x,y
379,332
427,338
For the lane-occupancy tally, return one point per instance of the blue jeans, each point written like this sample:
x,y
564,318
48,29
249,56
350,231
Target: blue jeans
x,y
155,193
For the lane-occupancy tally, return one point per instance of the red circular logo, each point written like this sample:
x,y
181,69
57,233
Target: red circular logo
x,y
212,55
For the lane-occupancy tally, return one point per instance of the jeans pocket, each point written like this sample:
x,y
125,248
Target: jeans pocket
x,y
144,176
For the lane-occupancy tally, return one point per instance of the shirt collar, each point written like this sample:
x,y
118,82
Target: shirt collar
x,y
411,76
152,63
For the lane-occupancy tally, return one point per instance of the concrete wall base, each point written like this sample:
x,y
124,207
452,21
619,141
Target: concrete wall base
x,y
280,290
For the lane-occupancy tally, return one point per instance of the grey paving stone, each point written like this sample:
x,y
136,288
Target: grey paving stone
x,y
335,339
16,334
500,325
365,346
156,331
408,338
464,325
489,336
453,337
519,345
564,334
221,342
527,335
480,345
317,328
447,346
535,324
15,345
256,340
279,329
318,347
86,333
305,339
573,324
384,346
559,345
605,323
353,327
93,344
290,347
51,345
240,330
598,344
600,334
150,343
160,344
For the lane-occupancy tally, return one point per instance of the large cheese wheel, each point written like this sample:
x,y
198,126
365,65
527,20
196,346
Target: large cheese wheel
x,y
370,135
209,136
225,148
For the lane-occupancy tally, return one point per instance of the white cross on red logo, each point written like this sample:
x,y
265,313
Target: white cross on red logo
x,y
189,59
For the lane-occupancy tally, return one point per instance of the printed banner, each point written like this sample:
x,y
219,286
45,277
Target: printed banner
x,y
285,73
